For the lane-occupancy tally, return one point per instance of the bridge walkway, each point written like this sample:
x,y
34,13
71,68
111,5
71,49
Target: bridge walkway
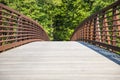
x,y
56,61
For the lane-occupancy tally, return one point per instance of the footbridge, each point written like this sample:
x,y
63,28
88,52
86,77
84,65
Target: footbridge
x,y
26,52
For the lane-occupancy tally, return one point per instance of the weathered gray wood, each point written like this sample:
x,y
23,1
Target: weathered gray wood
x,y
56,61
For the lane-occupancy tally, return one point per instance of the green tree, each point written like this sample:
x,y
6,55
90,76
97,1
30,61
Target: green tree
x,y
59,18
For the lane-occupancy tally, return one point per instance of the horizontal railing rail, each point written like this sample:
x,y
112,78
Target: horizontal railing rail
x,y
102,28
17,29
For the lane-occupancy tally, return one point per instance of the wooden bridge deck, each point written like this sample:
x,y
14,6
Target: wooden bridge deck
x,y
56,61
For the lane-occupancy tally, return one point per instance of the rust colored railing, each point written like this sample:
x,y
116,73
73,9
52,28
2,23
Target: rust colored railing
x,y
102,28
17,29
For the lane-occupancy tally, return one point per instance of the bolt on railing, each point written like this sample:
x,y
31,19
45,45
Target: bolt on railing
x,y
102,28
17,29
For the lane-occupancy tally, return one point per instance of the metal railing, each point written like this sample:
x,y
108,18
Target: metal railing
x,y
102,28
17,29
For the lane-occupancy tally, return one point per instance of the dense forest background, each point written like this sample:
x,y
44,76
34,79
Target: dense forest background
x,y
58,17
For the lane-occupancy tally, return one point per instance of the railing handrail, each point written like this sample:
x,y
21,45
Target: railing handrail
x,y
99,19
17,29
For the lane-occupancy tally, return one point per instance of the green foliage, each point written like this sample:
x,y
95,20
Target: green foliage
x,y
99,4
58,17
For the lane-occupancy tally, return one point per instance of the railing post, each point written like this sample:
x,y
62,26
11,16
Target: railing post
x,y
118,21
18,28
0,25
82,33
107,35
98,31
103,28
22,28
87,29
114,27
74,38
91,30
94,29
78,34
11,28
84,28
